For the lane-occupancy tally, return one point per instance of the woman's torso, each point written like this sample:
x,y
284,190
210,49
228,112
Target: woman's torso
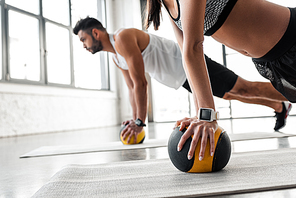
x,y
252,27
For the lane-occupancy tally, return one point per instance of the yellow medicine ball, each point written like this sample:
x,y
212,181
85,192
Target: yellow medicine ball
x,y
209,163
140,138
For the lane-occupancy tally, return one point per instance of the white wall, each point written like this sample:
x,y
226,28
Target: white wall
x,y
32,109
29,109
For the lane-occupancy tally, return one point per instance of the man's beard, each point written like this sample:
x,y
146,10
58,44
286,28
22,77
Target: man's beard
x,y
96,46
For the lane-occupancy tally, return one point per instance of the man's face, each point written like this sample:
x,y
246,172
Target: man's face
x,y
89,42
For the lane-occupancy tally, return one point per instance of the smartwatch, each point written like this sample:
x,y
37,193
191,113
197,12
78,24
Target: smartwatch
x,y
139,123
207,114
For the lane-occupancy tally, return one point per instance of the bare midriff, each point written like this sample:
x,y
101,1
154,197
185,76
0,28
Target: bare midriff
x,y
253,27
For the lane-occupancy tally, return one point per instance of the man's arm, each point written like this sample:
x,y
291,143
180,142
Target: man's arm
x,y
130,86
126,45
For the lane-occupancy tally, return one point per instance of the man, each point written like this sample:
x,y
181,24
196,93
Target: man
x,y
136,52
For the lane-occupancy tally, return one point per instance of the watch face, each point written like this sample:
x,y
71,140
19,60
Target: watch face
x,y
138,122
205,114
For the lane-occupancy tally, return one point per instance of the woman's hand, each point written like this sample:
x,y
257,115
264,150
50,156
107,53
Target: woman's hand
x,y
197,129
131,130
184,122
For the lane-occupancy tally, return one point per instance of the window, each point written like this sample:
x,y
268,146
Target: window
x,y
1,69
87,70
24,51
287,3
38,46
58,54
81,9
56,11
29,6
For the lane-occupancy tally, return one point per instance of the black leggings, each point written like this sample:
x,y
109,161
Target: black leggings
x,y
222,79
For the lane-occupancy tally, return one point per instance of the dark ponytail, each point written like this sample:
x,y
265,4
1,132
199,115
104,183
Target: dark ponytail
x,y
153,10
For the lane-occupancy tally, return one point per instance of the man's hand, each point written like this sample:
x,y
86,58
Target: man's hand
x,y
131,130
126,122
197,129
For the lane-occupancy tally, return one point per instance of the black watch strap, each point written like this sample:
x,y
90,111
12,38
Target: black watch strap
x,y
139,123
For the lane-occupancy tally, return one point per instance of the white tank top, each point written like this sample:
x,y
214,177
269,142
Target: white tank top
x,y
162,61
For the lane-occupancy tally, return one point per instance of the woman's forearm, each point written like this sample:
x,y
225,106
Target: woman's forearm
x,y
196,71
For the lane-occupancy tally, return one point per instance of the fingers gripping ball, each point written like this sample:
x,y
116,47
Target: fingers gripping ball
x,y
140,138
210,163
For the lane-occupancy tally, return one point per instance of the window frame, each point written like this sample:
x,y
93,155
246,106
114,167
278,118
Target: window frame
x,y
104,64
3,42
7,46
72,81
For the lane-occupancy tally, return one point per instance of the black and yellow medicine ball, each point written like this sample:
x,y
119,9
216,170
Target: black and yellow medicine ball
x,y
140,138
209,163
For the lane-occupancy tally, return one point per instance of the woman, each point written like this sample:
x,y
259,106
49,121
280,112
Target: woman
x,y
256,28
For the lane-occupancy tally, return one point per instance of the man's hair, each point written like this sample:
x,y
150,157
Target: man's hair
x,y
87,25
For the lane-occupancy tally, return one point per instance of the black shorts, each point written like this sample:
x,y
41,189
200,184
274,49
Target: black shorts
x,y
279,64
222,79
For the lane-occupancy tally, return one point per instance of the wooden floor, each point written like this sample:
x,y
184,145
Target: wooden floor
x,y
23,177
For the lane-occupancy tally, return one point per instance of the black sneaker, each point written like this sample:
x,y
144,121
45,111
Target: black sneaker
x,y
281,117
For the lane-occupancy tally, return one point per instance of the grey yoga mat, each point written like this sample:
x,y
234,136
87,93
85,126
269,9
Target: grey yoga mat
x,y
246,172
149,143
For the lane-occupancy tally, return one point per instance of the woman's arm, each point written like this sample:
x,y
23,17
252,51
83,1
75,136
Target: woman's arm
x,y
179,37
192,19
